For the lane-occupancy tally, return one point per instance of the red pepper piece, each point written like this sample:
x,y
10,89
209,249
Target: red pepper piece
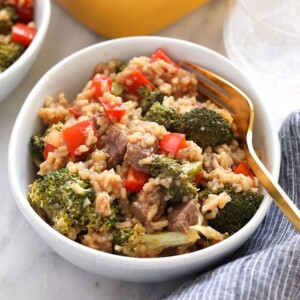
x,y
116,112
135,180
18,3
75,111
21,3
113,111
75,135
23,34
243,168
48,148
198,178
138,79
101,84
25,14
173,142
161,54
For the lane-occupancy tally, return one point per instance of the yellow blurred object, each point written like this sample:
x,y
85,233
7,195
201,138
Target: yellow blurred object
x,y
118,18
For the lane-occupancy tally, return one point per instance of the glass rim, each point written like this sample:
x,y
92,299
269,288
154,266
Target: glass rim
x,y
252,14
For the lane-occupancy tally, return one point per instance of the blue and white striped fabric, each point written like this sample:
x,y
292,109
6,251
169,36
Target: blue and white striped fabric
x,y
268,265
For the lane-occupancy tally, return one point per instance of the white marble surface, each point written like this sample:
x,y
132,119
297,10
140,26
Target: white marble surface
x,y
29,269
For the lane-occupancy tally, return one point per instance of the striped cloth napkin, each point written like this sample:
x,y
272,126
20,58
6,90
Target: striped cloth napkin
x,y
268,265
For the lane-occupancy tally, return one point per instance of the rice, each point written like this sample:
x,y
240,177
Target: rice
x,y
181,105
108,181
55,161
101,241
109,69
147,127
211,205
54,110
192,152
4,16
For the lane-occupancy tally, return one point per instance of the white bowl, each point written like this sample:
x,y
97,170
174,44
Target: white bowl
x,y
69,76
10,78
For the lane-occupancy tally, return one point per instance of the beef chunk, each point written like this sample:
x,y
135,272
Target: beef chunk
x,y
146,201
136,151
142,209
117,140
183,216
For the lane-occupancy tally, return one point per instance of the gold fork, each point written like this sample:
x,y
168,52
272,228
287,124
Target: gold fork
x,y
228,96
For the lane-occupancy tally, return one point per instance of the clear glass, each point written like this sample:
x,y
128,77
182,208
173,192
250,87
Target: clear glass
x,y
263,38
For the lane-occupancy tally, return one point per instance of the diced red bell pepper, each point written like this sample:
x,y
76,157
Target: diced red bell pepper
x,y
25,14
75,135
25,3
101,84
243,168
48,148
198,178
161,54
138,79
113,112
116,112
20,3
23,34
173,142
135,180
75,111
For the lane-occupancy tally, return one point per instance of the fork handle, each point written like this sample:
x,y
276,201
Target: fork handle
x,y
274,190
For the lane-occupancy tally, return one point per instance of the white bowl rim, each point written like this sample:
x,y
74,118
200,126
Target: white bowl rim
x,y
136,263
38,39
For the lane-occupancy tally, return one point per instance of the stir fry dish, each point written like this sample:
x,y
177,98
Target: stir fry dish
x,y
137,165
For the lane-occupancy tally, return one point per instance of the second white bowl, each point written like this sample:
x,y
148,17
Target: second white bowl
x,y
11,77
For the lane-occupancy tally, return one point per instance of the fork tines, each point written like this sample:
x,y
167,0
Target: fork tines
x,y
208,88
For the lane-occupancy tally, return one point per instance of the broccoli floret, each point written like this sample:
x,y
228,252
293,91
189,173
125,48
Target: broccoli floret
x,y
136,242
7,22
68,202
121,236
181,176
109,223
202,195
236,213
205,127
37,145
162,115
148,97
9,53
